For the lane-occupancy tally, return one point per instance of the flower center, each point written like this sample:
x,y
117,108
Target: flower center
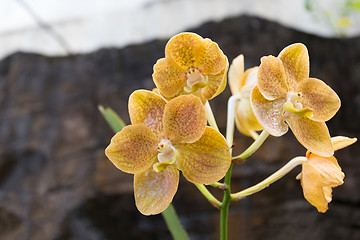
x,y
167,155
195,80
293,105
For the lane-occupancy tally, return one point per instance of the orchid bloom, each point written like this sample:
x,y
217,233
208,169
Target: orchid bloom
x,y
286,96
241,83
166,137
192,65
320,174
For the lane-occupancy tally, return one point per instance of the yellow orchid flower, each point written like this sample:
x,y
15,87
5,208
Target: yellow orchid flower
x,y
286,96
166,137
192,65
241,83
320,174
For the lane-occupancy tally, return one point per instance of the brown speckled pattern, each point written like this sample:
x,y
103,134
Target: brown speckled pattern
x,y
206,160
154,191
184,119
133,149
147,108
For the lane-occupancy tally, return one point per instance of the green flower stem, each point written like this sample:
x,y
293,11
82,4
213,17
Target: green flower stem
x,y
224,212
210,116
173,223
273,178
254,146
219,185
216,203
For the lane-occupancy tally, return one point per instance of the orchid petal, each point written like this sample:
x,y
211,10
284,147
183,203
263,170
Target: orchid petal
x,y
182,49
320,98
340,142
206,160
311,134
168,77
147,108
133,149
209,58
236,73
312,188
184,119
272,78
328,168
268,113
154,191
295,59
216,84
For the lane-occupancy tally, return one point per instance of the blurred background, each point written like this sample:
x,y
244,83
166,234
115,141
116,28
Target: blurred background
x,y
59,60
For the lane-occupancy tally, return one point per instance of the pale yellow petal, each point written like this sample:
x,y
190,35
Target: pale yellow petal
x,y
340,142
168,77
184,119
147,108
154,191
133,149
206,160
272,78
311,134
295,59
268,113
320,98
236,73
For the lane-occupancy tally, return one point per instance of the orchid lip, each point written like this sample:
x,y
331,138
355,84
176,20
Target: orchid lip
x,y
167,155
195,80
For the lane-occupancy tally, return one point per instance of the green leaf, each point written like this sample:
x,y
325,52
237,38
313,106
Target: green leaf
x,y
115,122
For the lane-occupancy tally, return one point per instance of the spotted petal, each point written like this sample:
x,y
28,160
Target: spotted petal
x,y
147,108
320,98
272,78
133,149
154,191
311,134
184,119
295,59
216,84
209,58
268,113
168,77
206,160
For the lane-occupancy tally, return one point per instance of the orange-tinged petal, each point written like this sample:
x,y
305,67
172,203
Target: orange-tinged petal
x,y
216,84
268,113
206,160
133,149
328,168
209,58
184,119
182,49
147,108
154,191
340,142
311,134
236,73
295,59
168,77
320,98
272,78
312,188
